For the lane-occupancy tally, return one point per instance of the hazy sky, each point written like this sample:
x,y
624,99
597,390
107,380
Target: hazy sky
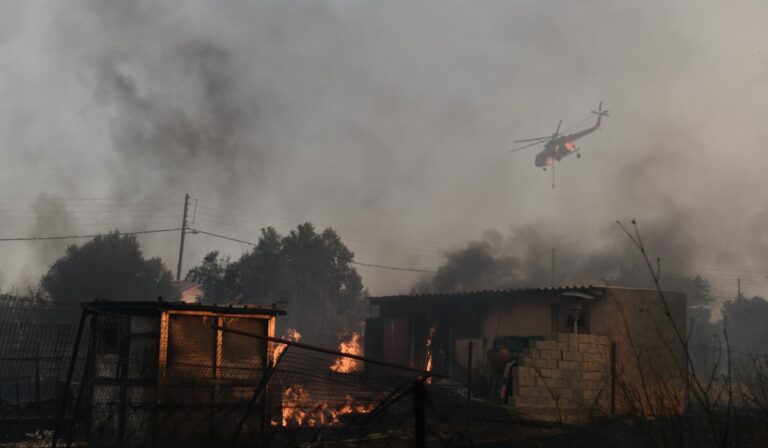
x,y
390,121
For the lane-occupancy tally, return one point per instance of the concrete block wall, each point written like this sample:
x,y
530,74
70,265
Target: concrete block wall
x,y
571,373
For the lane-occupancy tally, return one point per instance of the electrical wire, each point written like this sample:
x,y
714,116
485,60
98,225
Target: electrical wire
x,y
370,265
69,237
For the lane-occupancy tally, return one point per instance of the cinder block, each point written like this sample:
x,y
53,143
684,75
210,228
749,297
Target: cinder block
x,y
562,346
542,391
554,384
525,391
527,381
563,337
522,371
547,401
545,373
566,365
591,376
599,367
546,345
572,356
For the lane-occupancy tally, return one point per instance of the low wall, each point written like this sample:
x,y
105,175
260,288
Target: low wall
x,y
564,379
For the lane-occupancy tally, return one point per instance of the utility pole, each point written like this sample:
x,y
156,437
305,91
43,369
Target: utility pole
x,y
738,287
183,234
552,270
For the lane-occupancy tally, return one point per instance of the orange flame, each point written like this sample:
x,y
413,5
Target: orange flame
x,y
343,364
278,349
300,410
428,353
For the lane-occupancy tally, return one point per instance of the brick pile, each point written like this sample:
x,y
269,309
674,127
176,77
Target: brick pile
x,y
572,373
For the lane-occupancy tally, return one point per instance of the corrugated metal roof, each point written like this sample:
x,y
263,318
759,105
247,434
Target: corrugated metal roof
x,y
155,306
489,293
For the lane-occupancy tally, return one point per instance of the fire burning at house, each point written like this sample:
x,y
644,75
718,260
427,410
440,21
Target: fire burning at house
x,y
278,349
351,346
299,408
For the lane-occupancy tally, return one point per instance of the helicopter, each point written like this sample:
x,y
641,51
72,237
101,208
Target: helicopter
x,y
557,145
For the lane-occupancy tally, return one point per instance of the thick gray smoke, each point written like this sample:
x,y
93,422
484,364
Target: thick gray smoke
x,y
183,125
391,121
541,256
51,218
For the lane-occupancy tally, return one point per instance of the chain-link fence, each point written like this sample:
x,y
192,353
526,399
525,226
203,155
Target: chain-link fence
x,y
149,377
204,379
36,344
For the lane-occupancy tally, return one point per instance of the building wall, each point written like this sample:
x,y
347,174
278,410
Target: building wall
x,y
564,379
651,364
523,317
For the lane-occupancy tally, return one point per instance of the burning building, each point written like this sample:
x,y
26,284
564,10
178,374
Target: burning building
x,y
170,374
179,374
550,352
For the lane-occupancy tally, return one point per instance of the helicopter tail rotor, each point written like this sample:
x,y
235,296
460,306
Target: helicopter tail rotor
x,y
600,112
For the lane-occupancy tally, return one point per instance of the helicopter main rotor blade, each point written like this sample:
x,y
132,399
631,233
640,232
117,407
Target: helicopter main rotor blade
x,y
526,146
557,131
532,139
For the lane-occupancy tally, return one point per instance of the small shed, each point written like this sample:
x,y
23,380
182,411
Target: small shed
x,y
543,350
165,374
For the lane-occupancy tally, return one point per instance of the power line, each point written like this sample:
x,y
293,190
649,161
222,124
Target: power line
x,y
230,209
393,268
53,198
370,265
69,237
191,230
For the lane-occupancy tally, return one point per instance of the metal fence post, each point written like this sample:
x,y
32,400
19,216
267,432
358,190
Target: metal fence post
x,y
70,372
37,374
469,384
613,378
419,395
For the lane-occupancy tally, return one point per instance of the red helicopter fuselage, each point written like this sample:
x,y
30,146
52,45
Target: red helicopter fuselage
x,y
555,150
560,147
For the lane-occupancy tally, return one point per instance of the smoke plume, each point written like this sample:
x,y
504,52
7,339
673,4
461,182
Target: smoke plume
x,y
391,122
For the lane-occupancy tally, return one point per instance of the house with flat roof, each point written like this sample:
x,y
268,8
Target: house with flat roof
x,y
546,352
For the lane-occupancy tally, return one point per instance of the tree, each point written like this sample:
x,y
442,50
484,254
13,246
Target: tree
x,y
109,267
747,324
311,272
216,275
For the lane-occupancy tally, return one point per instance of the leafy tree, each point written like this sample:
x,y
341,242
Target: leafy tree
x,y
109,267
747,324
311,272
216,275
